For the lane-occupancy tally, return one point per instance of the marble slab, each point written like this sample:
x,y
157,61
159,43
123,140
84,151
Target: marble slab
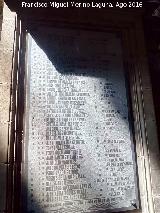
x,y
79,152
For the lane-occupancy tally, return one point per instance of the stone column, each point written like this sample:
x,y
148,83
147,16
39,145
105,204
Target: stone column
x,y
7,26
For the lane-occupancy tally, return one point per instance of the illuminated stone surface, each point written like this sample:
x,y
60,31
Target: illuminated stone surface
x,y
79,153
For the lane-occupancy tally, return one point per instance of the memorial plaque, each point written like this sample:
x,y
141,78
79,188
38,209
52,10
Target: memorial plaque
x,y
79,153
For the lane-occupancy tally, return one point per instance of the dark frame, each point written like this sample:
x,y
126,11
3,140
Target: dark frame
x,y
135,50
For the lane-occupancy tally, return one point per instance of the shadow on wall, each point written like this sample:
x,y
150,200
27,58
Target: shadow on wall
x,y
67,52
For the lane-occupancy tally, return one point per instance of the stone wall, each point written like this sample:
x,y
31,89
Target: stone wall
x,y
6,52
152,37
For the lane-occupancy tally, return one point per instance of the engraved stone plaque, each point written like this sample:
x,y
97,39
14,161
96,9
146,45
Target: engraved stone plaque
x,y
79,153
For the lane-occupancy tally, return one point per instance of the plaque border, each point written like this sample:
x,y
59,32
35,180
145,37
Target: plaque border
x,y
129,107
